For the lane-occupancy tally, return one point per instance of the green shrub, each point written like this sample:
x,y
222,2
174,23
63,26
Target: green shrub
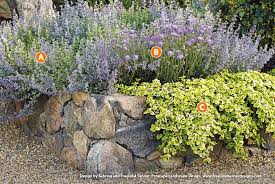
x,y
240,106
249,13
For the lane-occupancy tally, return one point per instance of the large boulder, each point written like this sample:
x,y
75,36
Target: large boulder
x,y
5,11
72,157
80,98
143,165
133,106
54,111
109,158
68,140
27,8
72,118
138,138
81,143
154,155
269,141
98,117
54,143
171,163
37,120
225,154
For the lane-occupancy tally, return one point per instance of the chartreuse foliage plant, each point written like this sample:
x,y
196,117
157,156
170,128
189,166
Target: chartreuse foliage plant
x,y
240,107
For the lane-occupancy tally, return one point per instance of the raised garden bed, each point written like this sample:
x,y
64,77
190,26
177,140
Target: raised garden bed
x,y
108,134
102,50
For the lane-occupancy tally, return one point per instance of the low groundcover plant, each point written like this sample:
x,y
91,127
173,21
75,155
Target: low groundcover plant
x,y
241,106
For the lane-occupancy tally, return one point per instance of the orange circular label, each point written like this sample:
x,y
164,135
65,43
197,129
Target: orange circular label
x,y
202,107
156,52
40,57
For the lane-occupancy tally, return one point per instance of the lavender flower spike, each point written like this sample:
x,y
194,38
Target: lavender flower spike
x,y
170,53
127,58
191,41
135,57
200,38
180,57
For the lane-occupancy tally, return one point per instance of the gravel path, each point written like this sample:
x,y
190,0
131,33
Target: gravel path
x,y
25,161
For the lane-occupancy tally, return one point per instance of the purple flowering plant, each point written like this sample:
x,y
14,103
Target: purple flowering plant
x,y
185,40
193,46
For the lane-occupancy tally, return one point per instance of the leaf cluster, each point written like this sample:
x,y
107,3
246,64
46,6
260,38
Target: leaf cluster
x,y
249,13
241,106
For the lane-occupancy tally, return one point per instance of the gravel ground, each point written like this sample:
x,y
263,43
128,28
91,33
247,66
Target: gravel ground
x,y
24,160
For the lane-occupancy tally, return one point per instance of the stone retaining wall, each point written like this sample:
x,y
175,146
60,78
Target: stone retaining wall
x,y
101,134
108,134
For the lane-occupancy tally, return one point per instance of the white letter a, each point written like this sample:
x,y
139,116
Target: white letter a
x,y
41,58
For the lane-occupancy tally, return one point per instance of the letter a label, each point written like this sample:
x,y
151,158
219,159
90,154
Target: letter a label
x,y
41,57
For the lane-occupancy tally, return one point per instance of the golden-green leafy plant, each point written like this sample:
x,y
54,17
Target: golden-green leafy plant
x,y
240,107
